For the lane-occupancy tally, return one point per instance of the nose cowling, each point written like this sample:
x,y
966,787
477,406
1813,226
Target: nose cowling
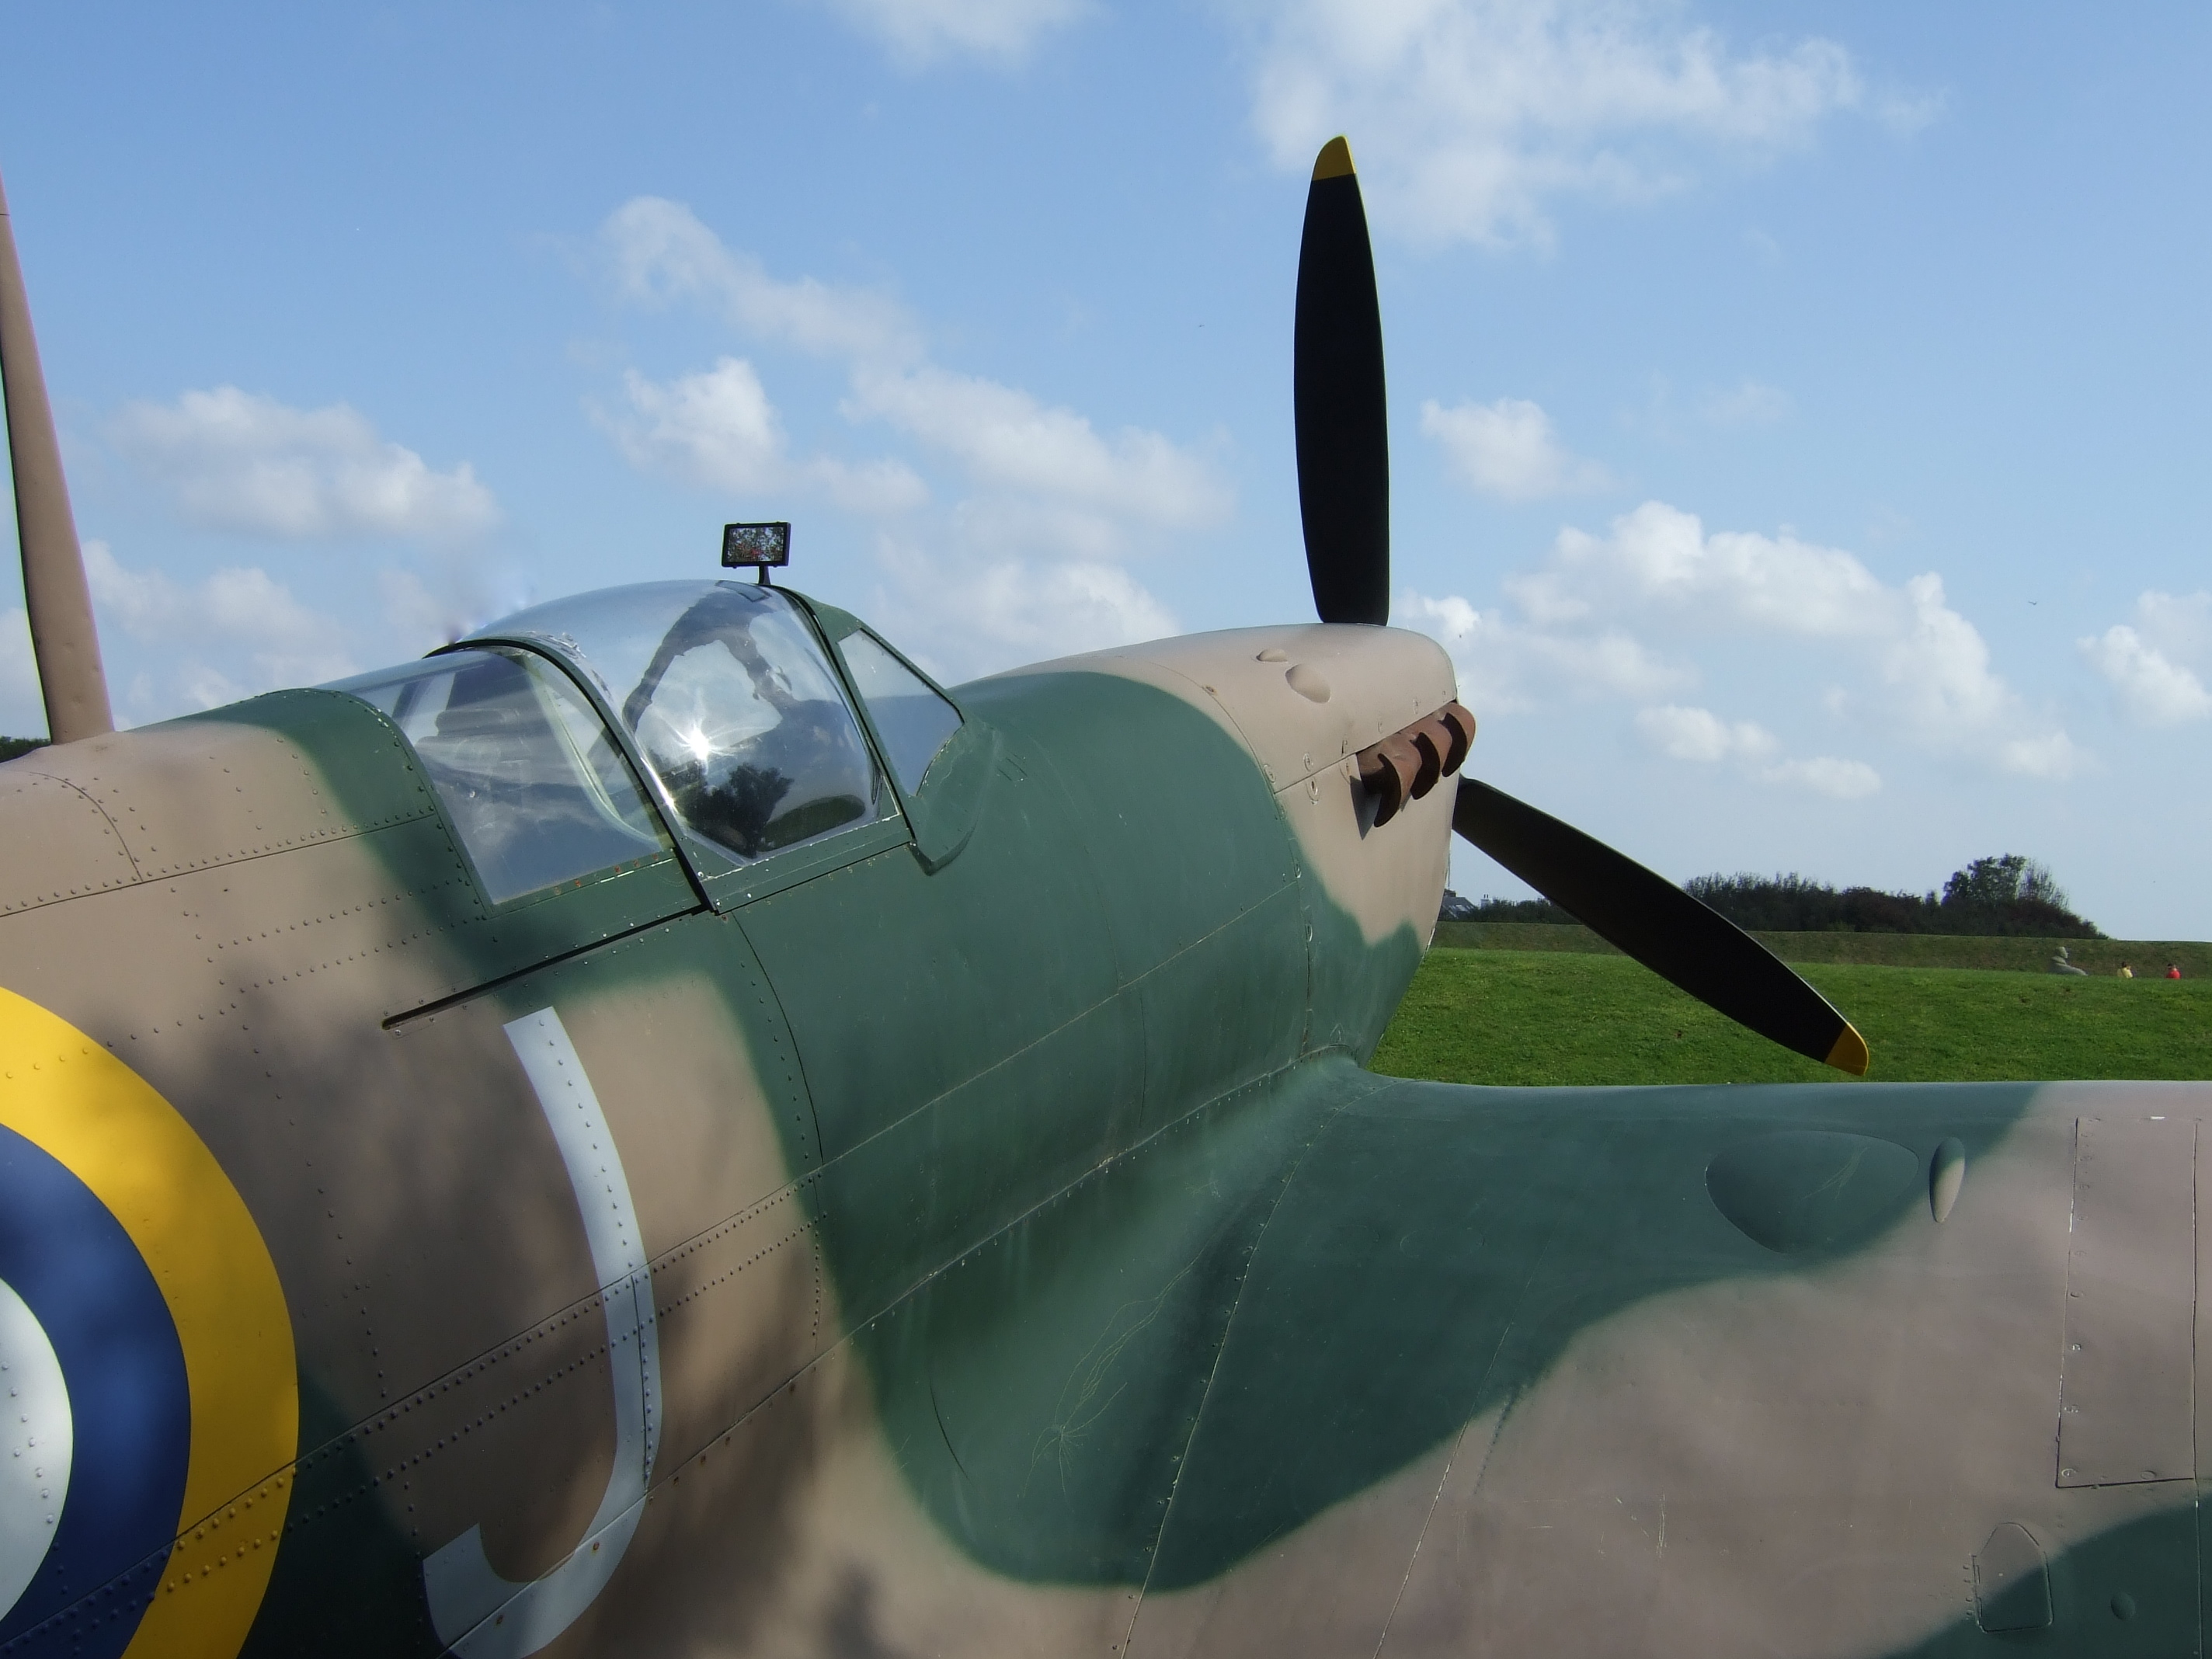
x,y
1305,698
1313,704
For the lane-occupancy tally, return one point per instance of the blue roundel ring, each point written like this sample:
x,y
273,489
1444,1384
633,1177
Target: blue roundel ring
x,y
146,1466
129,1411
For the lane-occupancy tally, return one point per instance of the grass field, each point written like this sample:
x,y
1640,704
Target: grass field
x,y
1576,1017
2028,956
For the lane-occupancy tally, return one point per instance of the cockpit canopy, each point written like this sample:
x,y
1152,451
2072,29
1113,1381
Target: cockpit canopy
x,y
724,690
730,702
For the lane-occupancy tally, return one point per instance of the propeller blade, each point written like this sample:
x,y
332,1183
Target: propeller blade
x,y
1650,918
1344,436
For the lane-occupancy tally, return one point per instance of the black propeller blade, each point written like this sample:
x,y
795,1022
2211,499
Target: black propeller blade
x,y
1650,918
1344,500
1344,437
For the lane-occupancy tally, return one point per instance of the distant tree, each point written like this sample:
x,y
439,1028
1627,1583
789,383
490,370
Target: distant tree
x,y
11,747
2008,894
1456,908
1986,882
2008,879
1788,903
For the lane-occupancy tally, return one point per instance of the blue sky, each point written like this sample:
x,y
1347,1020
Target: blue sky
x,y
1798,415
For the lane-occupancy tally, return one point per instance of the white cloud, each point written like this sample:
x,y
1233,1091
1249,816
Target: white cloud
x,y
660,253
237,461
1698,734
415,611
2050,754
1006,439
715,428
1072,606
1508,449
2153,664
1044,482
919,31
236,603
459,597
1933,662
2152,687
1703,738
1923,670
718,430
2181,626
1661,555
1506,666
1748,403
1470,116
237,632
1824,774
966,614
1937,667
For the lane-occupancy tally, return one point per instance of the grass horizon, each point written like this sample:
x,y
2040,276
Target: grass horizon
x,y
1573,1017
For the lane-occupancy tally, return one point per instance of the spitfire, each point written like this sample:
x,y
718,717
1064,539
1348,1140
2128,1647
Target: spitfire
x,y
659,1130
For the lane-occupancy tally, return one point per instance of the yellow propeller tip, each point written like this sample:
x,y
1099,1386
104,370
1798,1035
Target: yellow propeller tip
x,y
1334,161
1850,1053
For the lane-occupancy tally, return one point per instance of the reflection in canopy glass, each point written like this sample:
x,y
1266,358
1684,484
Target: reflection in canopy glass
x,y
730,702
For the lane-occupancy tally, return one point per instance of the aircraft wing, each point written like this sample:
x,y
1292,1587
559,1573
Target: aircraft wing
x,y
1349,1362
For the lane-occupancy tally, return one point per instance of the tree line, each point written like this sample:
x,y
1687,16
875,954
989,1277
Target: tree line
x,y
2008,894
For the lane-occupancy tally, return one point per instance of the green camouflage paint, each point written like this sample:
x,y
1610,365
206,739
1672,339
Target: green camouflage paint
x,y
1148,1280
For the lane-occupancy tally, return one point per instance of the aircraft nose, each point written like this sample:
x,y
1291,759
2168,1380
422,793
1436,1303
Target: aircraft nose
x,y
1306,699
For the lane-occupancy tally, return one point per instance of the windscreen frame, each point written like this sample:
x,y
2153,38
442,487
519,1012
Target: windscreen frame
x,y
571,914
834,627
723,881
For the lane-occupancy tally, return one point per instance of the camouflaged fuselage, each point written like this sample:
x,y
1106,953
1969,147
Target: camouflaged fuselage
x,y
1021,1261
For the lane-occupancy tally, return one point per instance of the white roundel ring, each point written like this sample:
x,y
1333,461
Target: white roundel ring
x,y
37,1438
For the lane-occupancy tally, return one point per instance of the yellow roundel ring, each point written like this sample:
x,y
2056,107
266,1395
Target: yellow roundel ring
x,y
84,1109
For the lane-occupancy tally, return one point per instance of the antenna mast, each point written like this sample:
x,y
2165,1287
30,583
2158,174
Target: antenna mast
x,y
62,635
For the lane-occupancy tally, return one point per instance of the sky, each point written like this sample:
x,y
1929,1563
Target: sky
x,y
1798,412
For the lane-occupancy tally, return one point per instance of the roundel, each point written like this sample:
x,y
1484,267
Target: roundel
x,y
151,1405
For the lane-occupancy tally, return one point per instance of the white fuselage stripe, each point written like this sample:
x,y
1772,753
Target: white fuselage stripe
x,y
476,1612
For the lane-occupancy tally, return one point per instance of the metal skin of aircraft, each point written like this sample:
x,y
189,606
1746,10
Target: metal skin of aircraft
x,y
655,1131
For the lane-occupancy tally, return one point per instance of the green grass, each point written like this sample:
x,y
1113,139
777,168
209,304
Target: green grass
x,y
2029,956
1564,1016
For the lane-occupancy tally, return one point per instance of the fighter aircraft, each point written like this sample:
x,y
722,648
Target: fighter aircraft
x,y
659,1130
